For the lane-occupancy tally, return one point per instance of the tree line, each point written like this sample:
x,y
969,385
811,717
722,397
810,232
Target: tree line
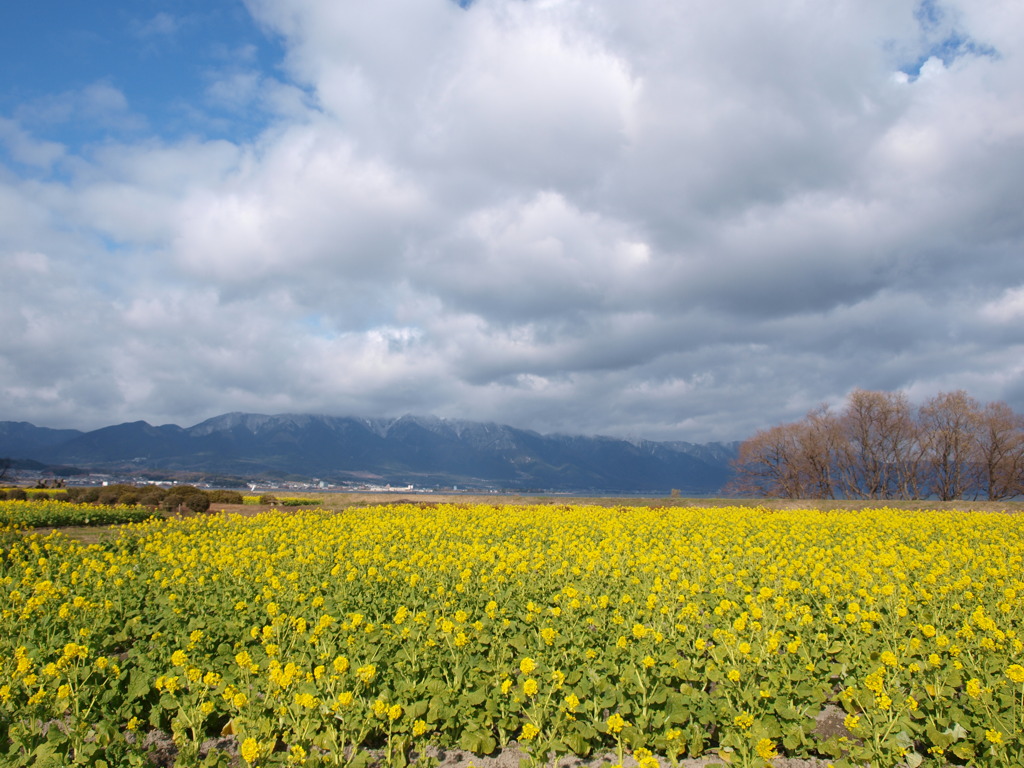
x,y
880,446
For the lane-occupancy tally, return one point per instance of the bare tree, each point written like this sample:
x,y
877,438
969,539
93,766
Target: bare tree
x,y
767,463
879,447
821,444
875,460
949,429
1000,452
5,469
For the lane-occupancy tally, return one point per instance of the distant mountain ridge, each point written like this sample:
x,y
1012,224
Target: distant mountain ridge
x,y
424,451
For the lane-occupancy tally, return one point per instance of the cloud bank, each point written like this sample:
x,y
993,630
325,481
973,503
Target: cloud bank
x,y
646,219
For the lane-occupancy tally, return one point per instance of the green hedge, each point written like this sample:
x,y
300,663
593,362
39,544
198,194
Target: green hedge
x,y
36,514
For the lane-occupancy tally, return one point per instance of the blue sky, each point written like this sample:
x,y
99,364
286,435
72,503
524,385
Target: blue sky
x,y
662,220
161,59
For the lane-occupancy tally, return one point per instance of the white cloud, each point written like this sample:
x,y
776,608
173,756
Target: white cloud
x,y
161,25
27,150
1008,308
667,220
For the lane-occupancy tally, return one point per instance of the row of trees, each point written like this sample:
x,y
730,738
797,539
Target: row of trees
x,y
879,446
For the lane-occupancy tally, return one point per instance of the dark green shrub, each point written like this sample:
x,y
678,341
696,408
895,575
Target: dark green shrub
x,y
88,496
151,496
108,495
17,493
197,502
299,502
130,497
226,497
185,497
268,498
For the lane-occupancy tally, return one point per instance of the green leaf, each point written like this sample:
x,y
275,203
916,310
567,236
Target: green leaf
x,y
478,742
957,731
417,709
138,685
473,698
963,750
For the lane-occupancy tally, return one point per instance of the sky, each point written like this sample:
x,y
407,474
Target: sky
x,y
658,219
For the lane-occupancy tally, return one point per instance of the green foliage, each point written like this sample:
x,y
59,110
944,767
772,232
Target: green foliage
x,y
313,637
185,498
36,514
298,502
225,497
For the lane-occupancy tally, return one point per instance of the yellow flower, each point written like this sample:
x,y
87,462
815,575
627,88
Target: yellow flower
x,y
527,665
1016,673
616,723
974,688
419,727
744,720
528,732
250,750
530,686
394,712
994,736
37,697
366,673
734,675
875,681
765,749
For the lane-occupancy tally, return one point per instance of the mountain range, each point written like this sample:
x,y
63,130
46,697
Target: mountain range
x,y
423,451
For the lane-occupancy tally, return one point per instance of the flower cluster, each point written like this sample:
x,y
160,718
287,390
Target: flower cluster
x,y
569,629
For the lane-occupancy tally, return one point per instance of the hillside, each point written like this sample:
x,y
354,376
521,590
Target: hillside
x,y
423,451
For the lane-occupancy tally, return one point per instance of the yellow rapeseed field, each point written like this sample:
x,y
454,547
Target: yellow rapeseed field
x,y
323,638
